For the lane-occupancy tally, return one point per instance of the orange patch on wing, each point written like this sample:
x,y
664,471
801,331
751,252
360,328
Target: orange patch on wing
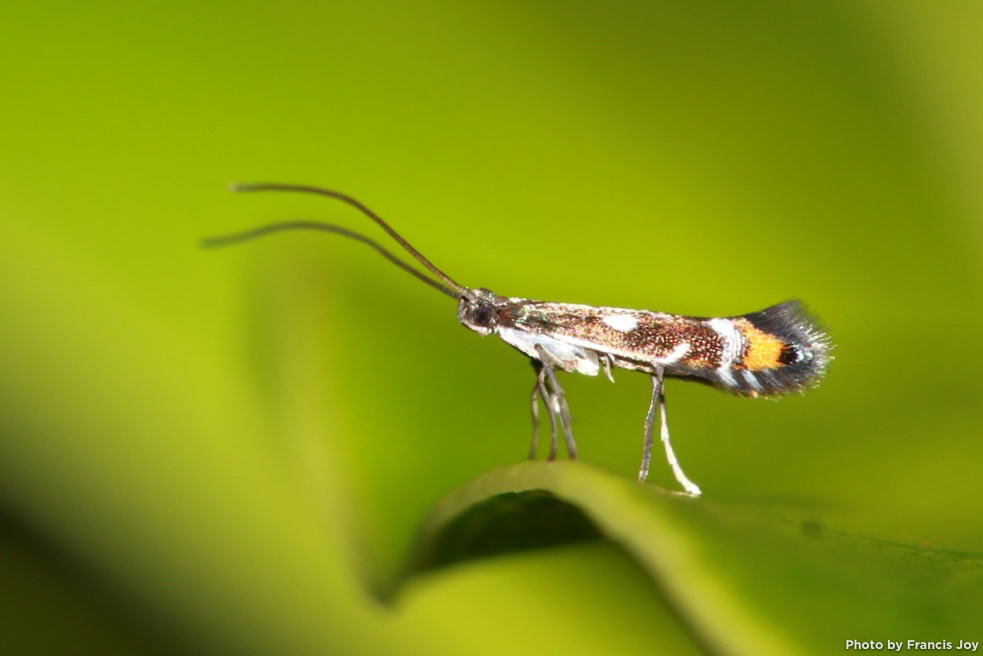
x,y
763,349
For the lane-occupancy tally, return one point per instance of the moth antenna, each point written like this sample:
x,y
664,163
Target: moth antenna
x,y
459,290
262,231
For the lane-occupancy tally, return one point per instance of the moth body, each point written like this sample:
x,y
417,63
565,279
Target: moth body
x,y
775,351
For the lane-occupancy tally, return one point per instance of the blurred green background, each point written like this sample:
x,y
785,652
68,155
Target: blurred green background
x,y
220,452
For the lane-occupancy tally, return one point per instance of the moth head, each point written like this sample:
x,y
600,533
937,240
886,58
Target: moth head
x,y
479,310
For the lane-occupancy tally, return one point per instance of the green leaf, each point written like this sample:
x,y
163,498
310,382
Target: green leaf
x,y
742,580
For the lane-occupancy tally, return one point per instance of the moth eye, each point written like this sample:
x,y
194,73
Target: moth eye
x,y
483,315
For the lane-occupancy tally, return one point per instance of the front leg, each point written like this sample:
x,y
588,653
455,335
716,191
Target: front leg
x,y
538,390
556,403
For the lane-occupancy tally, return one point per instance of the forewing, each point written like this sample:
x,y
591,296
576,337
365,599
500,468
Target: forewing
x,y
639,336
777,350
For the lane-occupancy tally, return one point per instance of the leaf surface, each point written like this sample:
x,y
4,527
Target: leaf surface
x,y
742,580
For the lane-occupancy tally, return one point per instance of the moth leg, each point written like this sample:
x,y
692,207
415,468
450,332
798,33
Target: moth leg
x,y
659,398
537,391
543,391
551,409
643,471
559,405
606,359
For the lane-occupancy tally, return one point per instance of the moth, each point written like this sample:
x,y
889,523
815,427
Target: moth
x,y
778,350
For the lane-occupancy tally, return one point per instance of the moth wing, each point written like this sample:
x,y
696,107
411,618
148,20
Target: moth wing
x,y
618,332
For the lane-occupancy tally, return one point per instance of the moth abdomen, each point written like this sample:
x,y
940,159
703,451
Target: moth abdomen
x,y
781,349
